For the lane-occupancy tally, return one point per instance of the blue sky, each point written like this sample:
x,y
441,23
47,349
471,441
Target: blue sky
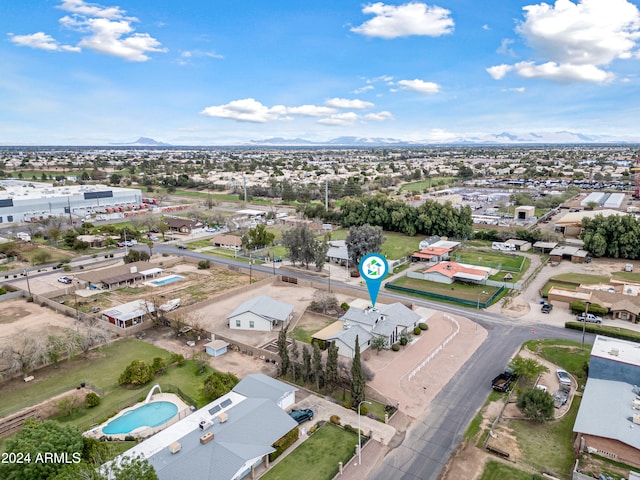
x,y
210,72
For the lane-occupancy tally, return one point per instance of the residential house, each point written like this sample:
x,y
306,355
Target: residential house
x,y
226,439
449,272
128,314
260,313
184,225
122,275
387,321
608,421
431,254
231,242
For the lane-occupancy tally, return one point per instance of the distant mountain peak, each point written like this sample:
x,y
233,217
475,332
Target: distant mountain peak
x,y
145,142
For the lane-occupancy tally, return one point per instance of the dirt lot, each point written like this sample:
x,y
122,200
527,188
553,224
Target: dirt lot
x,y
214,317
17,316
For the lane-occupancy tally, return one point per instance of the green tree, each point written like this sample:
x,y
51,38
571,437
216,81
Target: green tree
x,y
306,363
136,256
302,244
283,351
363,240
218,384
528,368
136,373
331,375
318,371
293,358
536,405
115,179
379,343
257,237
358,381
38,438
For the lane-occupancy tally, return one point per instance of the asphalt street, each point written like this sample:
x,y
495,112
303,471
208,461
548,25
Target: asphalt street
x,y
431,439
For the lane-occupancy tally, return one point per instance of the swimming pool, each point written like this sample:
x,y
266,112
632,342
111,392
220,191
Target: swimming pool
x,y
148,415
165,280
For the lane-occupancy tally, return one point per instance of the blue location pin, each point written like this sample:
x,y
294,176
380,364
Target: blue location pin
x,y
373,268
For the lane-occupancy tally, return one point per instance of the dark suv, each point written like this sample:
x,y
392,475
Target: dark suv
x,y
302,415
546,308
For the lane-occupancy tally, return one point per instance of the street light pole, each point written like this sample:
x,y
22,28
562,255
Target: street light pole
x,y
359,436
26,274
584,322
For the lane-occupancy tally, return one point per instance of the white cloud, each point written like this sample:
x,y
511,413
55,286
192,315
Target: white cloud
x,y
41,41
566,73
250,110
419,86
117,38
498,72
104,30
578,40
80,7
364,89
340,119
505,47
412,18
311,110
345,103
245,110
486,27
514,89
379,116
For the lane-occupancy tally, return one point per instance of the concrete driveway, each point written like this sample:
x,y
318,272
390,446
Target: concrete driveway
x,y
323,409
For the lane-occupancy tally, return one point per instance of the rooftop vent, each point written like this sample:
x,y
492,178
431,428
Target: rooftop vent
x,y
175,447
614,351
636,419
223,417
206,438
204,424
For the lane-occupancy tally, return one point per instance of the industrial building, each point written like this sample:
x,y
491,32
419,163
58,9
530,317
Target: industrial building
x,y
22,201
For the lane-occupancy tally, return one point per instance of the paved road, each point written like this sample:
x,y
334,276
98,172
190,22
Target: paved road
x,y
432,439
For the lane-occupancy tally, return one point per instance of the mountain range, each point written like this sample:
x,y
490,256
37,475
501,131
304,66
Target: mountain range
x,y
504,138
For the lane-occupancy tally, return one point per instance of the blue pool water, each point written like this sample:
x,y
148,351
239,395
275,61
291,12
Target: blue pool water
x,y
166,280
149,415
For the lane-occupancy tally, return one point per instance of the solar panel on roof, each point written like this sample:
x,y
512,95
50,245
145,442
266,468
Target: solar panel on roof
x,y
226,403
215,409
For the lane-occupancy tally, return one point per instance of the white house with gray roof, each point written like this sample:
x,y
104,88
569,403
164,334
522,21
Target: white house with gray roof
x,y
261,313
226,439
608,422
387,321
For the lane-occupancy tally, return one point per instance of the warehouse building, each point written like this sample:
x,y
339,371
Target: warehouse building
x,y
22,201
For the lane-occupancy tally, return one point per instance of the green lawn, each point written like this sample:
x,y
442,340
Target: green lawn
x,y
579,278
631,276
317,457
490,258
547,446
494,470
564,353
420,187
458,290
396,245
54,255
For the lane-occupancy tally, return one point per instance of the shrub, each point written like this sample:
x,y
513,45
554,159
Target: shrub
x,y
335,419
204,265
158,365
137,373
176,358
344,306
283,443
347,404
423,326
395,347
417,331
312,429
363,410
92,399
403,341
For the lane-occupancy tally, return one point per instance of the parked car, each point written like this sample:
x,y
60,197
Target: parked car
x,y
589,318
182,246
546,308
66,280
301,416
563,377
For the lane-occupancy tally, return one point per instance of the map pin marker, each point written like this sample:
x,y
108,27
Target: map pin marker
x,y
373,268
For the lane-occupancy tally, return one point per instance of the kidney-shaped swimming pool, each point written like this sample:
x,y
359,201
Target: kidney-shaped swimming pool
x,y
148,415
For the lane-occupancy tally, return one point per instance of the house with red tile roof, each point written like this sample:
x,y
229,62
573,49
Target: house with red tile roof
x,y
449,272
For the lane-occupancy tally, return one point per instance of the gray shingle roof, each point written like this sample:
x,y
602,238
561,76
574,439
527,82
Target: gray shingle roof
x,y
266,307
252,426
259,385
